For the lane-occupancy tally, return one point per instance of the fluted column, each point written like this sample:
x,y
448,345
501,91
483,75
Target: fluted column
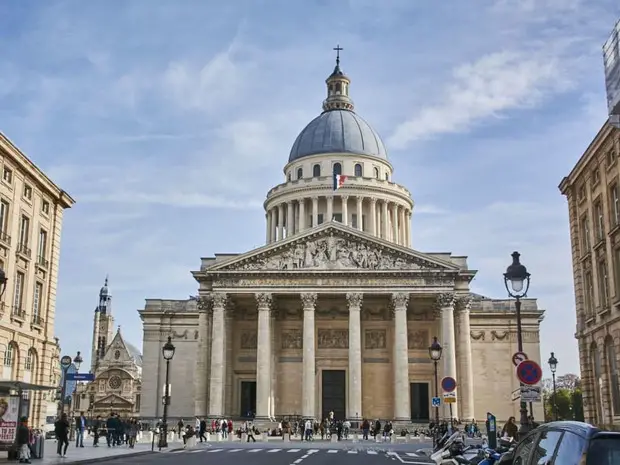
x,y
384,219
401,225
395,223
373,216
315,212
302,214
466,369
263,355
268,225
200,379
344,199
354,301
400,363
218,357
280,222
290,219
330,208
446,304
359,201
308,383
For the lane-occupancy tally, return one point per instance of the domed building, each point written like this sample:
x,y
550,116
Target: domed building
x,y
336,312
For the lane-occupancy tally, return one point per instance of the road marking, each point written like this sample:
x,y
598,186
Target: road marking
x,y
313,451
304,456
234,450
255,450
298,460
214,450
274,450
332,451
351,452
371,452
293,450
412,454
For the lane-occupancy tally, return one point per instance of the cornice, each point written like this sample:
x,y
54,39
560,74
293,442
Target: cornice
x,y
330,157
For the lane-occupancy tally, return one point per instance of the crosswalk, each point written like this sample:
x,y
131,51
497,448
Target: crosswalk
x,y
223,451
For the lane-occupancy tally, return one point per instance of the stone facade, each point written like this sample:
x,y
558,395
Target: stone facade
x,y
31,213
592,190
337,311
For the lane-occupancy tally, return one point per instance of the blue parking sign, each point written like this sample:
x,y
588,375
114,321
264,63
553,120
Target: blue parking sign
x,y
436,401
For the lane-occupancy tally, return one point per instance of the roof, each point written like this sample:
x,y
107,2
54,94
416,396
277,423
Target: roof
x,y
20,385
134,352
338,131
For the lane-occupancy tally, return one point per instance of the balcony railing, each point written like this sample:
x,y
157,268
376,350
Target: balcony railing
x,y
4,237
18,313
37,321
43,262
24,250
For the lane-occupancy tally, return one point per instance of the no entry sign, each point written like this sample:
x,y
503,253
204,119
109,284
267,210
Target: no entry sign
x,y
529,372
519,357
448,384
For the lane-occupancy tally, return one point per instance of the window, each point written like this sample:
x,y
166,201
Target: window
x,y
7,175
24,231
42,243
337,168
9,356
589,293
387,176
338,217
523,450
376,171
29,361
603,450
300,173
36,301
570,450
595,177
610,157
603,284
546,446
354,220
45,207
614,204
612,366
19,290
599,221
585,234
27,192
316,171
581,196
4,216
320,218
288,176
597,382
358,170
616,258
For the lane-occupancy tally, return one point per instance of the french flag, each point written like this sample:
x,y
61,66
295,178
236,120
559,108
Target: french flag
x,y
339,180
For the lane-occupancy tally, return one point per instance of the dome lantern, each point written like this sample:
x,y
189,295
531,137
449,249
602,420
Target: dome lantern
x,y
337,88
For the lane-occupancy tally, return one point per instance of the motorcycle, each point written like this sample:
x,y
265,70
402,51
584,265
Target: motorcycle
x,y
453,451
492,457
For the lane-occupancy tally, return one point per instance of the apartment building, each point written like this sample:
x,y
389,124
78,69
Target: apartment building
x,y
31,212
592,190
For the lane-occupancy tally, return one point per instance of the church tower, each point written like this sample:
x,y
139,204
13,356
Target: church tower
x,y
103,326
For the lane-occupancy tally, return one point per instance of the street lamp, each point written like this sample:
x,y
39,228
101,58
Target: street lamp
x,y
65,363
77,361
434,351
517,282
168,352
3,280
553,365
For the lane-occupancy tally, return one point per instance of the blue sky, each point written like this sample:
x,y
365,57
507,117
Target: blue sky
x,y
169,121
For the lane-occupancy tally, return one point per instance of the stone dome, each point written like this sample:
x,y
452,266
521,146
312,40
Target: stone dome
x,y
338,131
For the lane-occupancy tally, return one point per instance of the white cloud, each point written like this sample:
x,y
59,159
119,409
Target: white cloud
x,y
495,83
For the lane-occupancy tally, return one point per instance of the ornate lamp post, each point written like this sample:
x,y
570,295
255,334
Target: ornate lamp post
x,y
517,282
434,351
168,352
66,362
553,365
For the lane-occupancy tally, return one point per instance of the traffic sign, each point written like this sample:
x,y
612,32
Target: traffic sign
x,y
448,384
449,397
519,357
530,394
529,372
80,377
66,361
436,401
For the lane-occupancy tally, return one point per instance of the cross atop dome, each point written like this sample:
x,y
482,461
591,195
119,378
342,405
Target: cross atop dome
x,y
337,88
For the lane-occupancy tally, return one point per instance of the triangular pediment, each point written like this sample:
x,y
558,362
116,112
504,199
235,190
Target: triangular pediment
x,y
333,246
113,399
117,351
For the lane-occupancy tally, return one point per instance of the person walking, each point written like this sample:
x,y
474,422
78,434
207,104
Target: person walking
x,y
61,428
23,440
80,426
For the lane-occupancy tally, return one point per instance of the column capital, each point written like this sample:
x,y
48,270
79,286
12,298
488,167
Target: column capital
x,y
446,300
263,300
281,205
308,300
400,300
354,299
315,198
373,200
344,197
301,201
220,299
204,303
463,303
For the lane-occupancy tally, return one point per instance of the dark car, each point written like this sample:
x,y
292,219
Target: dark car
x,y
566,443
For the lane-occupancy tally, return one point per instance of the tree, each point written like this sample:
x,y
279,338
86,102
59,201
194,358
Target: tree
x,y
577,401
569,399
562,399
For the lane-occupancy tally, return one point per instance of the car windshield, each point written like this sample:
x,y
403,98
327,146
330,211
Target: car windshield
x,y
604,450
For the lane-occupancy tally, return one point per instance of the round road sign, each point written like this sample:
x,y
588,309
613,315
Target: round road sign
x,y
519,357
529,372
65,361
448,384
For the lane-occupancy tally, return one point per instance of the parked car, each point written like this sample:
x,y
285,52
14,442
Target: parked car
x,y
566,443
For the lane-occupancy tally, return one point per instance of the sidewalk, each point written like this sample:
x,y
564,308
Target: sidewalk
x,y
88,454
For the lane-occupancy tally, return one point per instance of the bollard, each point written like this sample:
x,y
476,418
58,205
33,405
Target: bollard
x,y
208,436
218,437
334,438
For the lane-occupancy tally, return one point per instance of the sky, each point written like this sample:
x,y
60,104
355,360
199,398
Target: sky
x,y
168,122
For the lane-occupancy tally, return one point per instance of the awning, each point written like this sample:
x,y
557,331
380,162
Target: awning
x,y
23,386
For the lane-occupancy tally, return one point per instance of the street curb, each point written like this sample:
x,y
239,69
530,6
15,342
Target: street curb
x,y
109,458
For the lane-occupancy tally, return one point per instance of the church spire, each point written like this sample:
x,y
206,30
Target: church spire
x,y
337,88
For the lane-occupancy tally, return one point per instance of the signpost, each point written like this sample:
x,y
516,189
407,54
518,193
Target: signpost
x,y
449,398
448,384
65,364
530,393
519,357
436,402
529,372
80,377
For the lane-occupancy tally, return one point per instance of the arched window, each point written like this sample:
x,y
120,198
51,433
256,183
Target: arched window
x,y
612,367
9,356
289,176
316,171
29,361
300,173
376,172
387,176
337,168
358,170
597,382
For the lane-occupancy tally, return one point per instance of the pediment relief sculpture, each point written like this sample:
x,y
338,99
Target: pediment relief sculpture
x,y
333,253
418,339
291,339
477,335
333,338
375,339
249,339
179,335
499,335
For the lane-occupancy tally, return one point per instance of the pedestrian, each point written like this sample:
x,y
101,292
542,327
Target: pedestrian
x,y
61,428
80,426
23,440
97,426
202,429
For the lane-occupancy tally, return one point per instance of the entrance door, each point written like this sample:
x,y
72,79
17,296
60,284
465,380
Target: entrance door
x,y
248,399
419,400
334,384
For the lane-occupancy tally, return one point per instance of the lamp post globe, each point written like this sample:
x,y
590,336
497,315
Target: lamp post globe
x,y
435,350
516,278
553,366
3,281
553,363
77,361
168,349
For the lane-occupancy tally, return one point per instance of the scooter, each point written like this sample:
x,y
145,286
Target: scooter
x,y
452,452
491,456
